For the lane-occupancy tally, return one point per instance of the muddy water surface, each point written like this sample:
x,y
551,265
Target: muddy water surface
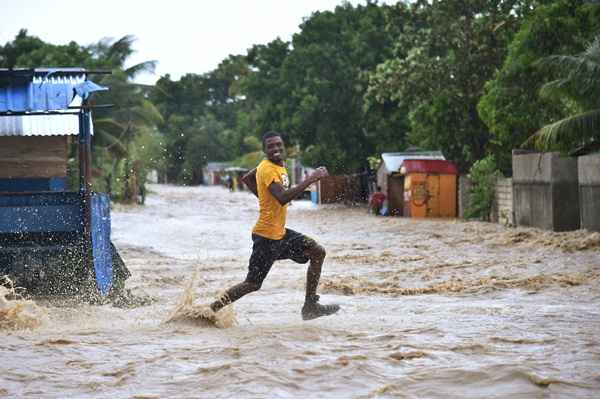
x,y
430,309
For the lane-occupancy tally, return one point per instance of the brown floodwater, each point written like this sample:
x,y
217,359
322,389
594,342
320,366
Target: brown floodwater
x,y
430,309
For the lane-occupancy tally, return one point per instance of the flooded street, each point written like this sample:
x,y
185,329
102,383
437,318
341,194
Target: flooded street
x,y
430,309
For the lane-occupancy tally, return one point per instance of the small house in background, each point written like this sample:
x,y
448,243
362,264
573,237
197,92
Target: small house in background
x,y
391,180
235,174
214,171
429,188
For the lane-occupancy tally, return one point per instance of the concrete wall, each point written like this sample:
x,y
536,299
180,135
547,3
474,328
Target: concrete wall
x,y
464,186
589,191
502,209
546,191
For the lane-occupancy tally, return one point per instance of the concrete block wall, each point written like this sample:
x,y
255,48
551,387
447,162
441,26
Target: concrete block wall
x,y
502,210
589,191
546,191
464,186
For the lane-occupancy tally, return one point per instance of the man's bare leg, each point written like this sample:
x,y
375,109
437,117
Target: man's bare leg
x,y
312,309
233,294
316,254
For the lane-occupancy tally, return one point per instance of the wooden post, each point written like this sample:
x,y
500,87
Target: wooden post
x,y
85,182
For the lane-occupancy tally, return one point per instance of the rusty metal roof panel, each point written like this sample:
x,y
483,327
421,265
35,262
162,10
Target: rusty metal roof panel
x,y
429,166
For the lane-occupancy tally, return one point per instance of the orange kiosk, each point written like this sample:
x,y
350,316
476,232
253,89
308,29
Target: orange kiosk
x,y
429,188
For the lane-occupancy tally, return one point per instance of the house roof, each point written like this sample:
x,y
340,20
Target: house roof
x,y
393,160
37,102
429,166
40,125
236,169
217,166
38,90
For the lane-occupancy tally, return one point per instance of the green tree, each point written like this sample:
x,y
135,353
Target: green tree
x,y
133,115
323,82
115,129
577,86
187,96
31,51
511,106
445,54
483,175
201,118
205,143
264,88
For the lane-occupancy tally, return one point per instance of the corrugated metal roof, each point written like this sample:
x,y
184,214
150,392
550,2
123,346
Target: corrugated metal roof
x,y
393,160
40,90
40,125
27,73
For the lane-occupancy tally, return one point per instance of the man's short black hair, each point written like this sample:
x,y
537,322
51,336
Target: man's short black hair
x,y
268,135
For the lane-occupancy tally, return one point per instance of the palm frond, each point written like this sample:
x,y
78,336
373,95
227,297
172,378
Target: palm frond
x,y
145,113
120,50
111,143
593,50
578,129
578,76
554,89
108,124
152,113
146,66
559,63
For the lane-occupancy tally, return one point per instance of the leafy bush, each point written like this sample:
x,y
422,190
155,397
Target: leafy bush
x,y
483,175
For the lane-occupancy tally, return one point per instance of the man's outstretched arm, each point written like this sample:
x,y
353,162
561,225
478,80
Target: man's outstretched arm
x,y
284,196
249,180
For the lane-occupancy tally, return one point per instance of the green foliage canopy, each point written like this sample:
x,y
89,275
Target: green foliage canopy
x,y
577,85
442,60
459,76
116,129
511,106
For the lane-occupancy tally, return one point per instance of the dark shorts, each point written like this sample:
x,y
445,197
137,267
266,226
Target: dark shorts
x,y
265,252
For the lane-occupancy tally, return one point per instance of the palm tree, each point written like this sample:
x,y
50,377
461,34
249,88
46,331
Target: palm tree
x,y
116,130
577,87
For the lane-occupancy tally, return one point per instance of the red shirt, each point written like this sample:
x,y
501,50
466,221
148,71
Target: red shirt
x,y
377,198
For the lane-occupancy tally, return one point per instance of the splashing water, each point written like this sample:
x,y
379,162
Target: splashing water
x,y
18,314
430,308
201,314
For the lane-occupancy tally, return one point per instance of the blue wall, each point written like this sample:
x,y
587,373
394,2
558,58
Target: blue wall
x,y
40,213
19,185
101,249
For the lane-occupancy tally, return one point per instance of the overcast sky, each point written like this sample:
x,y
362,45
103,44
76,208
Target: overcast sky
x,y
182,35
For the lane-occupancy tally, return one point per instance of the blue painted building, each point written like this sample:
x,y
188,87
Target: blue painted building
x,y
53,238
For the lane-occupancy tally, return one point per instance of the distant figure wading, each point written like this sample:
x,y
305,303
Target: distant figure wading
x,y
376,201
272,241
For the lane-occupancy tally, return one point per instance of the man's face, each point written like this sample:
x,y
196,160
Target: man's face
x,y
275,149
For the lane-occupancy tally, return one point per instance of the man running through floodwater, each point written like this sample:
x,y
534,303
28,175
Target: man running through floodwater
x,y
272,241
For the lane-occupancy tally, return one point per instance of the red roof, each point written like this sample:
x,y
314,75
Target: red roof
x,y
429,166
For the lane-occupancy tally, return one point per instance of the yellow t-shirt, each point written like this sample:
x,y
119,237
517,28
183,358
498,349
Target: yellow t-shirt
x,y
271,219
